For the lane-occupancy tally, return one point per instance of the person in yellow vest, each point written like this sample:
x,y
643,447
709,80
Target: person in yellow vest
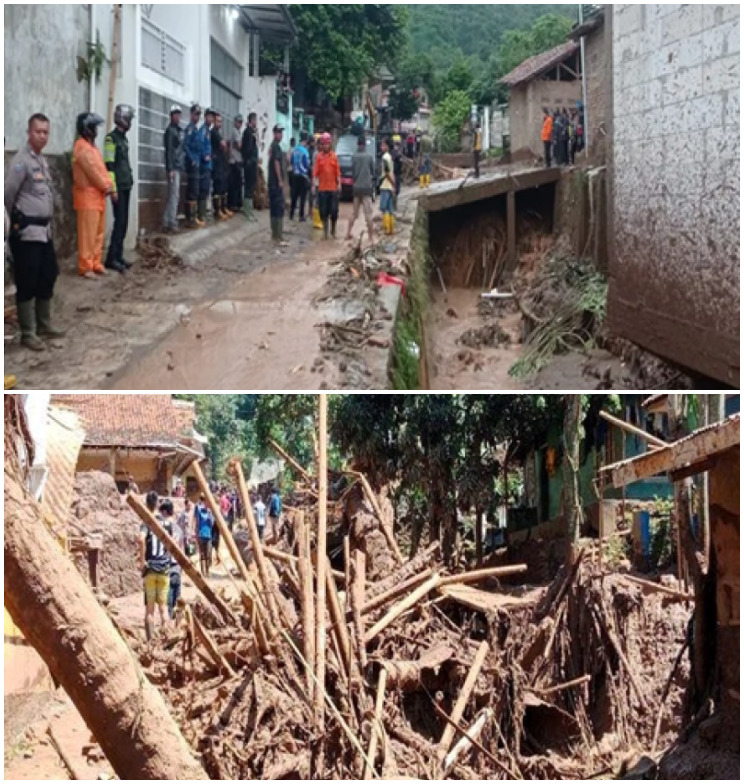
x,y
477,148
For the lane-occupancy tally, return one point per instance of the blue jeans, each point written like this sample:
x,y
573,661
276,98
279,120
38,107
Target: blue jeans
x,y
174,592
386,202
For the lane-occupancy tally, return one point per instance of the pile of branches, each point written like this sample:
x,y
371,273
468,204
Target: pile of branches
x,y
422,674
564,305
155,253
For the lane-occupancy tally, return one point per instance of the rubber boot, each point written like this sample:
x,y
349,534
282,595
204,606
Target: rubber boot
x,y
325,229
10,382
422,181
275,230
391,224
223,208
282,242
247,209
27,321
317,222
333,228
201,220
428,180
44,326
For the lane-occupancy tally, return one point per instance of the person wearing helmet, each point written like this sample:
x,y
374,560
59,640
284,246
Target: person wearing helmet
x,y
235,178
327,181
193,153
174,158
116,158
91,184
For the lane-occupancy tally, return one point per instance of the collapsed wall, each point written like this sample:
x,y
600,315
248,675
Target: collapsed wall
x,y
99,508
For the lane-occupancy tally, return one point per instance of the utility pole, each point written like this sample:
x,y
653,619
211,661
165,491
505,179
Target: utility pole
x,y
583,81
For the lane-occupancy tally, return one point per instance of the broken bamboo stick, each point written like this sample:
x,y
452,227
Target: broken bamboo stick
x,y
374,503
75,774
396,591
377,726
463,698
680,596
356,600
482,574
170,545
636,431
266,585
307,603
403,606
297,467
321,547
338,619
564,686
282,557
214,652
469,739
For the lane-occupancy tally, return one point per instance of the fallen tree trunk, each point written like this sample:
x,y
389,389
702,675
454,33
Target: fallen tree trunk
x,y
51,604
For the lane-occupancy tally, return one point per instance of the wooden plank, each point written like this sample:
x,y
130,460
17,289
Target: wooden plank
x,y
444,197
647,585
636,431
511,232
690,451
482,601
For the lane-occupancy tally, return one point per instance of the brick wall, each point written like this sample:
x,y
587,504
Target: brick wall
x,y
674,268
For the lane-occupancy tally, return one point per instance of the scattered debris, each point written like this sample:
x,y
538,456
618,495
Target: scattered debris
x,y
156,253
489,335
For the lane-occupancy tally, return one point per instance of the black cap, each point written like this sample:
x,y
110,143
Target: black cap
x,y
195,108
278,128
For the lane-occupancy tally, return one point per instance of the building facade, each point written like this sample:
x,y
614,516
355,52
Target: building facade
x,y
166,54
675,184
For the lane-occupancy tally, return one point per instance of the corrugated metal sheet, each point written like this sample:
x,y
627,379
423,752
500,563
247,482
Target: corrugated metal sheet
x,y
537,65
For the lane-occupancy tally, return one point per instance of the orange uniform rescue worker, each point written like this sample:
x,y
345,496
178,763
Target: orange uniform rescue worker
x,y
547,137
92,183
327,180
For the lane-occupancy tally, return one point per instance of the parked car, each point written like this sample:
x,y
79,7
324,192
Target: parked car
x,y
345,149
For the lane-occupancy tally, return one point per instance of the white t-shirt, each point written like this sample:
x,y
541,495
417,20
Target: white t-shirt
x,y
259,510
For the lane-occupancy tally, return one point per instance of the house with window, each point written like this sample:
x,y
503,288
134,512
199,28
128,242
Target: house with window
x,y
160,55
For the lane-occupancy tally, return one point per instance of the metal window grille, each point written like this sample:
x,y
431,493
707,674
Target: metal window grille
x,y
163,53
227,81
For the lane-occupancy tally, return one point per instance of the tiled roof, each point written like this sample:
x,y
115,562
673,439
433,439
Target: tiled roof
x,y
537,65
128,420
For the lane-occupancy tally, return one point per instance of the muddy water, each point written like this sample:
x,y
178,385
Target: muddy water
x,y
453,366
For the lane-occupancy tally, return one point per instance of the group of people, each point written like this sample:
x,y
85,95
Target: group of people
x,y
562,136
194,531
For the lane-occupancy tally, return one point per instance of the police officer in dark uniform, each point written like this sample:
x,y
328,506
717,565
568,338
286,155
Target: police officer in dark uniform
x,y
30,204
250,164
116,158
193,151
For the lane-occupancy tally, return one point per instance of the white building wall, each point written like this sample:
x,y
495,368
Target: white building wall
x,y
262,101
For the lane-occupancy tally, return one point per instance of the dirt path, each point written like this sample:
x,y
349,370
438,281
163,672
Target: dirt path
x,y
233,317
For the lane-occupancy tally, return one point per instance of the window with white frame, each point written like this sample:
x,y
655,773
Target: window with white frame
x,y
163,53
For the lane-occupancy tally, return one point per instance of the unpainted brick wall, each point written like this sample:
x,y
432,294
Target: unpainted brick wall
x,y
674,267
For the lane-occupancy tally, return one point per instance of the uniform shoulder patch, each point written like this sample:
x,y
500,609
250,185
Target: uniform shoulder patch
x,y
19,167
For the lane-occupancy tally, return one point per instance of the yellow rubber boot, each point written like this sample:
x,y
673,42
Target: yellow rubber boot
x,y
392,224
10,382
422,181
317,222
386,223
428,180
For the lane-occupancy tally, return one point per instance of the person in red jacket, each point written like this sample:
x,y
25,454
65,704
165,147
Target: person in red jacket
x,y
92,183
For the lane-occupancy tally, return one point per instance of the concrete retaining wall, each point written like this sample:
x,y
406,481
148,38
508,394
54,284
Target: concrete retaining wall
x,y
674,232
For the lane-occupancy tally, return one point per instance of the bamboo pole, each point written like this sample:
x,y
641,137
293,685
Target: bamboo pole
x,y
396,591
297,467
680,596
377,727
567,685
356,601
211,646
170,545
463,698
482,574
469,739
320,607
307,602
223,527
267,585
406,604
338,618
633,430
282,557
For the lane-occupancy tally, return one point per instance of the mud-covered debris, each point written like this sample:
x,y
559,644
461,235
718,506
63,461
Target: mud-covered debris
x,y
490,335
156,253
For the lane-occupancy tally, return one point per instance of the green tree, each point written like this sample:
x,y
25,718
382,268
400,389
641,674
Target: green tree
x,y
341,45
449,118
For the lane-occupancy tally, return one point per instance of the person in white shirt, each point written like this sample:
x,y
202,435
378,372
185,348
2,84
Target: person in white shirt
x,y
259,510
